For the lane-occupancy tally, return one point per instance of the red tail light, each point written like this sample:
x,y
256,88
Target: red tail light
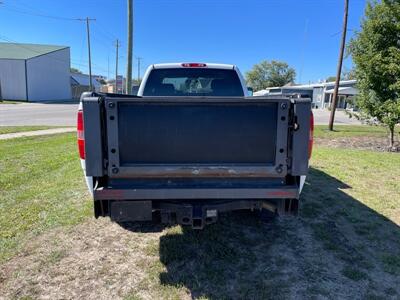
x,y
80,135
193,65
311,140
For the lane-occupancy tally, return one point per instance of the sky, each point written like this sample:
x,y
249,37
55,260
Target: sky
x,y
303,33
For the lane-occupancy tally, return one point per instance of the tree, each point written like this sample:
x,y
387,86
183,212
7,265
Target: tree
x,y
136,82
376,54
330,79
102,81
75,70
268,74
346,75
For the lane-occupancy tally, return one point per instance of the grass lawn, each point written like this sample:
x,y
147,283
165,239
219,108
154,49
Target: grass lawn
x,y
321,131
344,244
12,102
41,186
373,179
13,129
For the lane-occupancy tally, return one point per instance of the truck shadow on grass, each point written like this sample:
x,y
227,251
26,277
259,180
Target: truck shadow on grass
x,y
338,247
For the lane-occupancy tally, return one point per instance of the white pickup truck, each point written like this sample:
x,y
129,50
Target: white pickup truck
x,y
193,144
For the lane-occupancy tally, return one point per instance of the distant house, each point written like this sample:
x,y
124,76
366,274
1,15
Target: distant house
x,y
100,78
109,87
80,83
33,72
320,93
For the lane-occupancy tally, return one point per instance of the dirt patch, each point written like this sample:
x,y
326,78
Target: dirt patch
x,y
320,254
95,260
358,142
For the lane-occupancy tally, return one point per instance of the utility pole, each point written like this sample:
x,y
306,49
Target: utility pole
x,y
130,46
339,66
138,68
117,44
87,19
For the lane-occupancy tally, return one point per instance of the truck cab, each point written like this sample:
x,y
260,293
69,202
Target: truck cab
x,y
193,79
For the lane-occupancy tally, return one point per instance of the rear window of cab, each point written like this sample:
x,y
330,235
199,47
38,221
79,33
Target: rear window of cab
x,y
193,82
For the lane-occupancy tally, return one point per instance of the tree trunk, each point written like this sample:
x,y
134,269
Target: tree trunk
x,y
391,138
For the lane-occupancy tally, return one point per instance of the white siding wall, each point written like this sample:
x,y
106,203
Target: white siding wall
x,y
49,76
12,79
318,97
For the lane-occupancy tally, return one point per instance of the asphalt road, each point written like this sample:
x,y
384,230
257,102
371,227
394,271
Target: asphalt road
x,y
64,114
321,117
54,114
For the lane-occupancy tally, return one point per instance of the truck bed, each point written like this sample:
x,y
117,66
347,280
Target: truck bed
x,y
195,148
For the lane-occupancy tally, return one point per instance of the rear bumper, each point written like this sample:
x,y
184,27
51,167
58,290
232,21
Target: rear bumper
x,y
104,193
195,202
187,212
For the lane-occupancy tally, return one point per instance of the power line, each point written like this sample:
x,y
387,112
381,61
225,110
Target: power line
x,y
25,12
39,14
45,15
85,63
102,42
16,9
4,38
33,12
105,32
101,38
336,33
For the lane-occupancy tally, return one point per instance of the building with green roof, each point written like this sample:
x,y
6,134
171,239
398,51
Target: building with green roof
x,y
33,72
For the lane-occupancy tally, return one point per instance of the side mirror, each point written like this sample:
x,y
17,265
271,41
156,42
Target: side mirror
x,y
250,91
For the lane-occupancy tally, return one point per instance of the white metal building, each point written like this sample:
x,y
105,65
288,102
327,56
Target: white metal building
x,y
33,72
80,83
320,93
